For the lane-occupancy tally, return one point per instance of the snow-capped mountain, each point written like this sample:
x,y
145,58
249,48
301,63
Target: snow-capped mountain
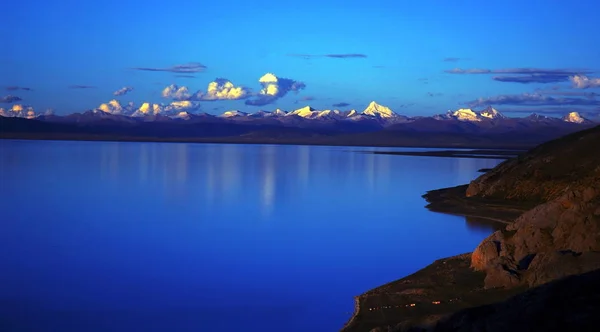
x,y
233,114
304,112
465,114
373,117
377,110
491,113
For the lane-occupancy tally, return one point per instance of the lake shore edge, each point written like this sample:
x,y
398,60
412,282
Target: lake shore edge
x,y
431,299
327,141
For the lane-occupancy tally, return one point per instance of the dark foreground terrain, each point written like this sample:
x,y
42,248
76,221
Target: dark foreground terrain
x,y
541,272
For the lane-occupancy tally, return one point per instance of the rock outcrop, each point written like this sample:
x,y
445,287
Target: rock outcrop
x,y
545,253
560,236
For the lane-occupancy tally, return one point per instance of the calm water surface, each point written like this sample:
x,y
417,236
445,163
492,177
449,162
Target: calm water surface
x,y
105,236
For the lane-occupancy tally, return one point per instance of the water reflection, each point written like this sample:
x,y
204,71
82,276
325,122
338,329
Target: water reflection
x,y
303,164
319,203
229,173
268,187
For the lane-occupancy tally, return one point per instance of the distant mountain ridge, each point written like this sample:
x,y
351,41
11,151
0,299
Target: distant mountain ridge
x,y
374,112
376,125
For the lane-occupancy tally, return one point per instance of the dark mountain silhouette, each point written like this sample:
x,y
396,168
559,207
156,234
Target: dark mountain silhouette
x,y
313,127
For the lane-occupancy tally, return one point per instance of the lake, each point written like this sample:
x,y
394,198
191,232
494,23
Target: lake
x,y
108,236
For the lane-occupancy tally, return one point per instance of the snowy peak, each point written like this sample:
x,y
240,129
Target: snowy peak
x,y
279,112
491,113
183,115
377,110
305,112
233,114
574,117
331,114
147,109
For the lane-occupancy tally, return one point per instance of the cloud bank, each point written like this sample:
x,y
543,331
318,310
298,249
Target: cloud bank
x,y
188,68
123,91
335,56
77,86
342,104
9,99
453,59
533,99
15,88
553,110
524,75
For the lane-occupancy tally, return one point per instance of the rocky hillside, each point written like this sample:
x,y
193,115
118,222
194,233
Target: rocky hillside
x,y
555,236
560,236
546,172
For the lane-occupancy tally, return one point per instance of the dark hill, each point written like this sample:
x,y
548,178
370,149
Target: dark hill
x,y
553,233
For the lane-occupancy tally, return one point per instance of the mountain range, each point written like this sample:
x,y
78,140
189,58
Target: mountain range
x,y
375,125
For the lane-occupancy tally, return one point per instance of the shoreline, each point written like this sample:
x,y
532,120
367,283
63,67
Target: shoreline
x,y
453,201
423,297
466,153
323,141
427,289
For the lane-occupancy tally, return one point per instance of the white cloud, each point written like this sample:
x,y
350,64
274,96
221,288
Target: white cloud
x,y
584,82
123,91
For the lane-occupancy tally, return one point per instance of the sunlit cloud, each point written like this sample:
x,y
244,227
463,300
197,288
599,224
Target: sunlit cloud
x,y
9,99
342,104
223,89
274,88
113,107
219,89
16,88
123,91
533,99
192,67
584,82
18,111
176,92
78,86
335,56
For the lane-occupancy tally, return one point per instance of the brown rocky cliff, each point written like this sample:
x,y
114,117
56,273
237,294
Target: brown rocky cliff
x,y
557,238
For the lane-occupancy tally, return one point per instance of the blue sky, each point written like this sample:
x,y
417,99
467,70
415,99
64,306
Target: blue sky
x,y
57,48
